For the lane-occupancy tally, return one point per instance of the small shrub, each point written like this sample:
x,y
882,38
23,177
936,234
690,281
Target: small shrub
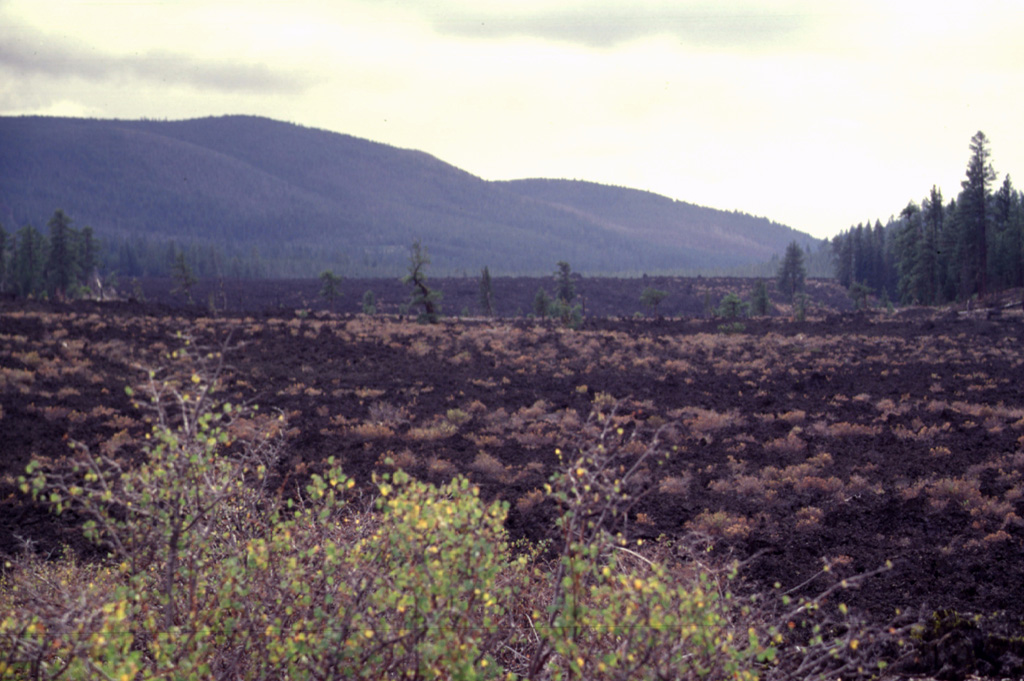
x,y
529,501
457,417
791,444
570,316
441,467
438,430
369,303
809,517
403,460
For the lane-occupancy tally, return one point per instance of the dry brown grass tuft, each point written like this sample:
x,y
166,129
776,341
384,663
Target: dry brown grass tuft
x,y
404,460
440,466
371,431
721,524
809,518
791,444
383,412
530,500
845,429
675,484
489,465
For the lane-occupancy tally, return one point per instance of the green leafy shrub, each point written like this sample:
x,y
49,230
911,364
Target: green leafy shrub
x,y
369,303
568,315
210,576
613,613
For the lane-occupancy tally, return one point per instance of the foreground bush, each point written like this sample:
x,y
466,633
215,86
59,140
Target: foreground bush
x,y
211,574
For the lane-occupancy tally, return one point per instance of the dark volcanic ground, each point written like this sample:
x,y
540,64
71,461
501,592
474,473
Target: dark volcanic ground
x,y
513,296
851,439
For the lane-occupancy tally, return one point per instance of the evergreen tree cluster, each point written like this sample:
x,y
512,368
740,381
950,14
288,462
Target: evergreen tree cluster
x,y
139,256
60,264
939,252
561,306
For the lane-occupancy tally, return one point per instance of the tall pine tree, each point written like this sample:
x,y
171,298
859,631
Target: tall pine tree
x,y
1005,249
29,266
908,256
929,261
62,265
486,293
974,213
792,271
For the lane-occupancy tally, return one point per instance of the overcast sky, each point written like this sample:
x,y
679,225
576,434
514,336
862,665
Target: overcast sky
x,y
818,114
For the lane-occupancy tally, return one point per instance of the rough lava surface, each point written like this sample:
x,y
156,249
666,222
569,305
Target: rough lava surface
x,y
846,439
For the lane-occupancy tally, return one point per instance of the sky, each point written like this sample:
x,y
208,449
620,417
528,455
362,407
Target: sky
x,y
818,114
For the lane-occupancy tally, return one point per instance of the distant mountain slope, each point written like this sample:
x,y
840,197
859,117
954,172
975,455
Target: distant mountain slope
x,y
306,199
665,222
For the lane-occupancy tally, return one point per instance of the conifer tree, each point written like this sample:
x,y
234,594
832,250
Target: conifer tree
x,y
181,272
87,250
950,268
879,269
975,216
1005,251
908,256
759,303
860,248
932,218
732,306
369,303
29,264
486,293
329,283
62,265
792,272
651,297
565,289
842,255
541,303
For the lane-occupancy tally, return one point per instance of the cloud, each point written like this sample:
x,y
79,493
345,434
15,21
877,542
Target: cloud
x,y
26,53
608,24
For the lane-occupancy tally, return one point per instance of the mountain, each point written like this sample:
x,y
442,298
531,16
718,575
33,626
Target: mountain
x,y
299,200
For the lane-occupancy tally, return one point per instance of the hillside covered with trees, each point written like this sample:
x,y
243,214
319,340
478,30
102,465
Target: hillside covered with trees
x,y
246,196
937,252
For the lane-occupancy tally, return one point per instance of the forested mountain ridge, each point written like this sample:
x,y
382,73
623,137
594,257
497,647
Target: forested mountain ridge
x,y
246,195
664,221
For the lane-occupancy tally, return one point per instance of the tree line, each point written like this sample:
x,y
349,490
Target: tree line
x,y
937,252
140,256
63,263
